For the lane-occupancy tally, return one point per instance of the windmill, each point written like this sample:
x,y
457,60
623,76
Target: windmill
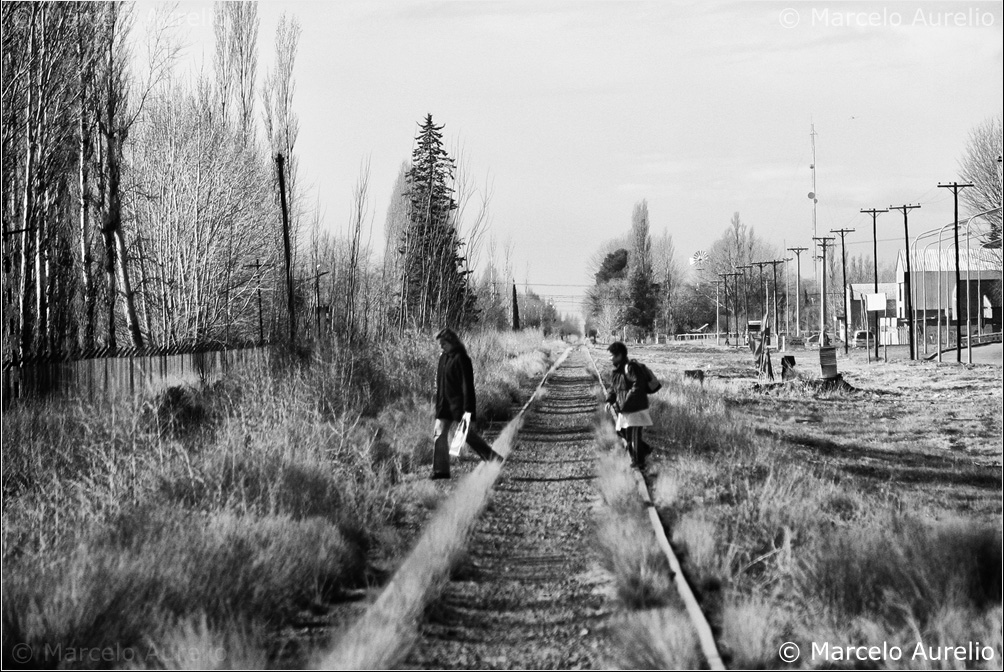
x,y
698,258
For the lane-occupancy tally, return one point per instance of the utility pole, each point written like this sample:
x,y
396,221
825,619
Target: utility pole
x,y
289,254
777,325
718,324
746,291
823,242
816,268
905,209
875,213
725,281
787,302
798,287
843,260
955,187
763,286
261,323
735,300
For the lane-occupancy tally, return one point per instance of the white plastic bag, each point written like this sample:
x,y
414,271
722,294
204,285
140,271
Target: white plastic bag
x,y
459,438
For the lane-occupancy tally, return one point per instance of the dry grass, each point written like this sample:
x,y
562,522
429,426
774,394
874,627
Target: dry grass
x,y
658,639
749,633
630,551
203,515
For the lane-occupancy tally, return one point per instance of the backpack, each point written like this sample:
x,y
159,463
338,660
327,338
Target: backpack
x,y
651,383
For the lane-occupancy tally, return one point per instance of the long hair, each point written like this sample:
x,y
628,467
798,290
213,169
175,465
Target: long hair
x,y
451,337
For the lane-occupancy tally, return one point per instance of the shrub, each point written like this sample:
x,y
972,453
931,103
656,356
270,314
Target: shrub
x,y
630,551
125,582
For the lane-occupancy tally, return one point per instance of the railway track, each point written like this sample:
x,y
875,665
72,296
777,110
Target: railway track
x,y
515,581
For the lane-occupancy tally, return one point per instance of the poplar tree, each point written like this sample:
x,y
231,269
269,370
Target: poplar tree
x,y
641,291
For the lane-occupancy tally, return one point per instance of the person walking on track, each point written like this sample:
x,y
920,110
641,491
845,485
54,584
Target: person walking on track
x,y
455,402
629,398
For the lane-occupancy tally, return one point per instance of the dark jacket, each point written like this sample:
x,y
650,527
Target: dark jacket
x,y
627,389
455,386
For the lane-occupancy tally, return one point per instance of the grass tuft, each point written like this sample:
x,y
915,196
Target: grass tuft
x,y
630,551
903,567
658,639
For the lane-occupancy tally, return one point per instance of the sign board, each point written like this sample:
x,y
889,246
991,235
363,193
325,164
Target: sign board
x,y
875,302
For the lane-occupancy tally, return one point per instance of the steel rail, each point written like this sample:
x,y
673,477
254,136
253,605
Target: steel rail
x,y
697,618
382,635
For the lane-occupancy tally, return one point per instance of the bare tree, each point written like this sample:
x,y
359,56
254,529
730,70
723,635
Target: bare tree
x,y
666,272
119,104
202,204
236,63
981,166
360,211
282,126
473,219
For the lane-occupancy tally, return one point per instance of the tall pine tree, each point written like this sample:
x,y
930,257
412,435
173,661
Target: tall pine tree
x,y
434,282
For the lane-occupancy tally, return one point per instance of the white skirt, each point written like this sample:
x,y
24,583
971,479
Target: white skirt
x,y
636,419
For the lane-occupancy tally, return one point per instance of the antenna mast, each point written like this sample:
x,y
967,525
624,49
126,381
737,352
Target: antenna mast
x,y
817,268
812,166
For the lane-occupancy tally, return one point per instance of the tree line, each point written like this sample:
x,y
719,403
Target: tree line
x,y
141,207
640,288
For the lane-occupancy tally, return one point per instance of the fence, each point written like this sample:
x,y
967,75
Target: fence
x,y
102,377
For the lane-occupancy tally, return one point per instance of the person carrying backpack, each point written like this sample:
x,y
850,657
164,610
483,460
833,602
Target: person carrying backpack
x,y
628,396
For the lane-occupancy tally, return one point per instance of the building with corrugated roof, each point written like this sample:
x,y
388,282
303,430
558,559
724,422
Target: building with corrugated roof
x,y
933,288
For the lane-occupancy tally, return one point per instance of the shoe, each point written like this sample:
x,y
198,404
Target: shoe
x,y
437,476
495,457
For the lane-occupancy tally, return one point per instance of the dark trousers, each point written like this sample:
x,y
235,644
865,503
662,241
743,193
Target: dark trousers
x,y
636,446
441,456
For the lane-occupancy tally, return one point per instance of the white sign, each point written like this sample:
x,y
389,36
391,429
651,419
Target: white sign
x,y
875,302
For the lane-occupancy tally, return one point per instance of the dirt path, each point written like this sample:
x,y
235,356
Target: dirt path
x,y
531,592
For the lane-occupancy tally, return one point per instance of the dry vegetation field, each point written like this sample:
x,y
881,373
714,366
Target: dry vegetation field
x,y
834,518
198,527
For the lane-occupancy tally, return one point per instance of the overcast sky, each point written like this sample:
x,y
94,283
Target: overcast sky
x,y
575,111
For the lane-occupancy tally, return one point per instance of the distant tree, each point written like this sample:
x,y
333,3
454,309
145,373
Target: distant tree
x,y
606,306
740,246
614,267
642,294
536,313
695,307
395,225
979,165
668,277
435,276
236,63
